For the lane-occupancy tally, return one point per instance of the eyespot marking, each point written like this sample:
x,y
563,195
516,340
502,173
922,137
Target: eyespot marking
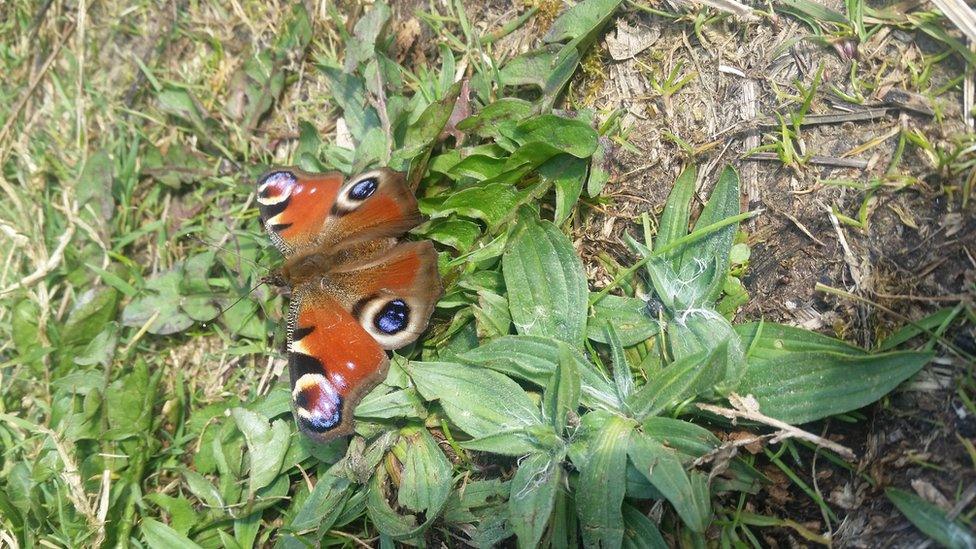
x,y
317,403
356,191
364,189
393,317
276,187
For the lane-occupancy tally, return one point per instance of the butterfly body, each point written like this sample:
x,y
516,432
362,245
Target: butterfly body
x,y
356,290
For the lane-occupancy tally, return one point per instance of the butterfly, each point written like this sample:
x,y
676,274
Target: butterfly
x,y
356,289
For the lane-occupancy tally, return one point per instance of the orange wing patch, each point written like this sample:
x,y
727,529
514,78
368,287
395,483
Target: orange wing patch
x,y
333,363
295,206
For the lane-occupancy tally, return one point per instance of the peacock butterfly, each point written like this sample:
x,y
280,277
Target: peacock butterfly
x,y
356,290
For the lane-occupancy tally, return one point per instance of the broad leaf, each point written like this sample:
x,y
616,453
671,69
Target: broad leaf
x,y
677,212
266,445
546,284
640,532
663,469
584,18
479,401
680,380
425,482
533,494
931,520
723,203
805,386
534,359
158,535
562,395
601,487
629,317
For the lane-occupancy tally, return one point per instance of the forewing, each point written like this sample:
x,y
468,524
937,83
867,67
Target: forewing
x,y
301,210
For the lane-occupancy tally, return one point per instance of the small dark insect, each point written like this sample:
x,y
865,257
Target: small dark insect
x,y
653,307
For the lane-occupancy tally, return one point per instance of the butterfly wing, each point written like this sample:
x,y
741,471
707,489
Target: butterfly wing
x,y
301,210
340,324
333,363
393,294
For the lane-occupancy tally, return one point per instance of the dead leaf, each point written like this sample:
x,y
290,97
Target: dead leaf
x,y
630,41
753,447
930,493
406,36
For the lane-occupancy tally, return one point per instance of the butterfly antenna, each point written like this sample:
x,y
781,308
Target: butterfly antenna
x,y
264,281
223,249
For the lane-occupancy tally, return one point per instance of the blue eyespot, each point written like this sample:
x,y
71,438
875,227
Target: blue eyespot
x,y
364,189
321,423
393,317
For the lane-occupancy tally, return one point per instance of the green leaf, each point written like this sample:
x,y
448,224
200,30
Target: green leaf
x,y
768,340
573,137
397,404
584,18
349,93
564,67
93,311
321,509
24,329
129,402
628,316
805,386
160,299
567,175
677,212
531,68
101,349
703,330
266,446
663,469
422,134
931,322
723,203
159,535
546,285
481,402
459,234
489,121
931,520
203,489
426,482
599,168
399,527
180,511
533,495
602,484
490,203
478,166
562,394
492,315
94,186
640,532
534,359
680,380
370,29
517,442
687,438
621,369
179,102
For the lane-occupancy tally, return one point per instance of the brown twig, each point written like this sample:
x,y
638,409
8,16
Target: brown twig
x,y
748,408
816,159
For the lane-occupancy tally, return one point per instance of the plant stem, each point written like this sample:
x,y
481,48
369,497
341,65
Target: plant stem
x,y
677,243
